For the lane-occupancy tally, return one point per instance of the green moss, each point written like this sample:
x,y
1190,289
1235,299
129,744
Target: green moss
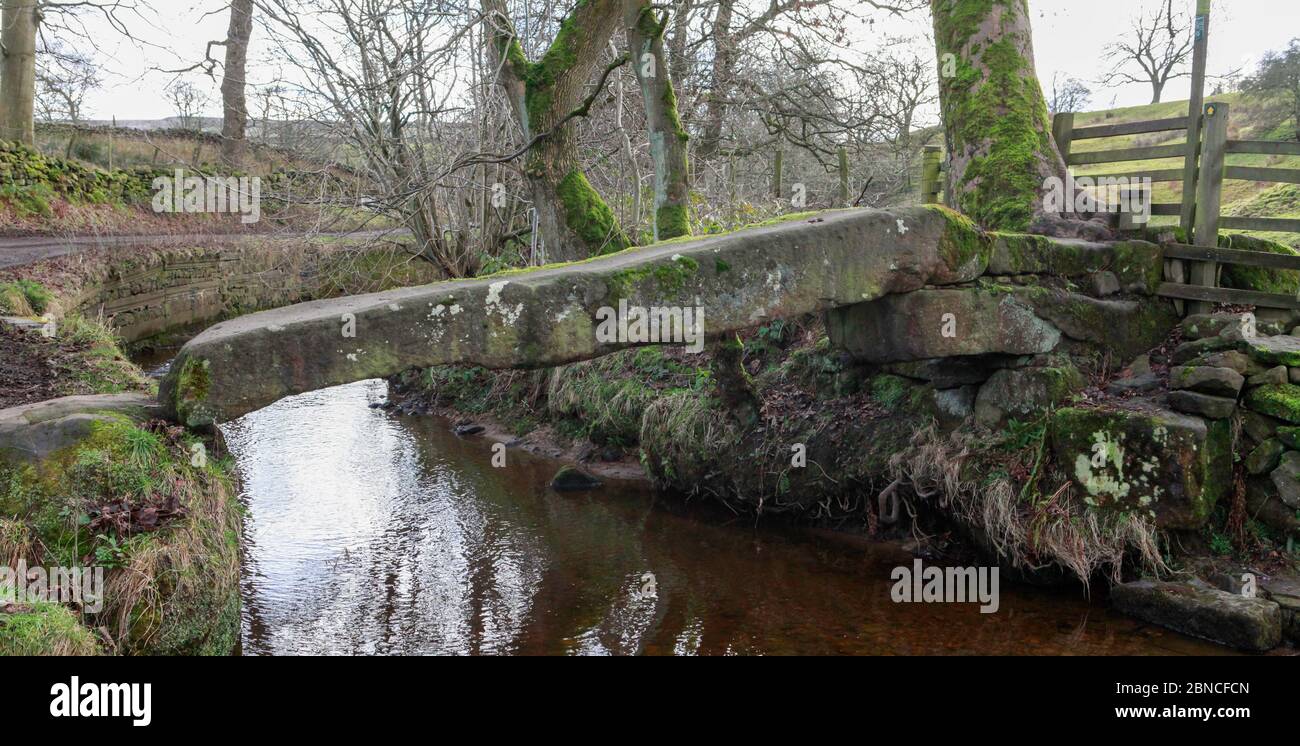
x,y
588,215
24,298
45,629
670,277
963,242
672,221
1281,400
890,391
1262,279
172,590
192,384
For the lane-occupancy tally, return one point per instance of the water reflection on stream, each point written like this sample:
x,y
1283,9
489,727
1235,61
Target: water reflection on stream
x,y
373,533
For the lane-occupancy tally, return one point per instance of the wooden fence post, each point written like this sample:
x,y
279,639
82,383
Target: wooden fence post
x,y
844,176
776,173
930,186
1187,215
1063,134
1209,192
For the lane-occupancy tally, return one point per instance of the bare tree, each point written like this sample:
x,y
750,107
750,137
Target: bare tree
x,y
63,78
23,22
1069,94
188,102
1158,46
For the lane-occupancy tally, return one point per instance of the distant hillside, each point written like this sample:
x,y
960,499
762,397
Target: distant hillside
x,y
1251,118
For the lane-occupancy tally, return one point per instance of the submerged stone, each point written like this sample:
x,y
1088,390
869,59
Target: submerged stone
x,y
1230,619
572,479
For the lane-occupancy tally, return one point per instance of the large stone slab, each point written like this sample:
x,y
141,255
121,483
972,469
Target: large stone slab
x,y
1230,619
947,322
549,316
33,431
1135,263
1125,328
1168,465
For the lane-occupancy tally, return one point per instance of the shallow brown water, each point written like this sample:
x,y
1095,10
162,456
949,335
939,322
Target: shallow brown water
x,y
370,533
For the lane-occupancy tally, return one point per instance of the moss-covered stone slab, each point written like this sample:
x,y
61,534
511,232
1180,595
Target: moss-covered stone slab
x,y
1280,400
1206,379
1204,405
34,431
940,323
1253,624
1290,437
1233,325
1265,457
1227,359
1024,392
1134,263
1286,478
1157,462
1125,328
549,316
1189,351
1279,350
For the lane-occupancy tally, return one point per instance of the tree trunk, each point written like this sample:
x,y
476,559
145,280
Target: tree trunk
x,y
724,55
1157,90
1000,151
667,137
234,117
19,19
574,221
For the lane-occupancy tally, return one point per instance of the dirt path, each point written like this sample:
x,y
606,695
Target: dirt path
x,y
16,252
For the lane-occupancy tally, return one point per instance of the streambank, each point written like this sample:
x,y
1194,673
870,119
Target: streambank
x,y
1054,417
92,478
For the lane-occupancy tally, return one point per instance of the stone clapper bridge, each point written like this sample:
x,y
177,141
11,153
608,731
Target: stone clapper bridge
x,y
547,316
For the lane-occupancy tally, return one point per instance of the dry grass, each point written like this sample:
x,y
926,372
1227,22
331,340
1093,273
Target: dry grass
x,y
1030,530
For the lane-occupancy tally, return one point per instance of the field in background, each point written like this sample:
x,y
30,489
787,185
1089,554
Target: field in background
x,y
1251,118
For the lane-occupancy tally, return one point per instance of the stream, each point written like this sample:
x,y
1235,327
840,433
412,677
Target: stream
x,y
372,533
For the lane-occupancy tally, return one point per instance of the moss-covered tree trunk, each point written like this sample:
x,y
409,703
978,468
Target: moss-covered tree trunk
x,y
575,222
645,37
1000,150
19,20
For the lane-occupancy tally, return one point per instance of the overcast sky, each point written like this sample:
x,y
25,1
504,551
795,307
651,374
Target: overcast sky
x,y
1069,36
